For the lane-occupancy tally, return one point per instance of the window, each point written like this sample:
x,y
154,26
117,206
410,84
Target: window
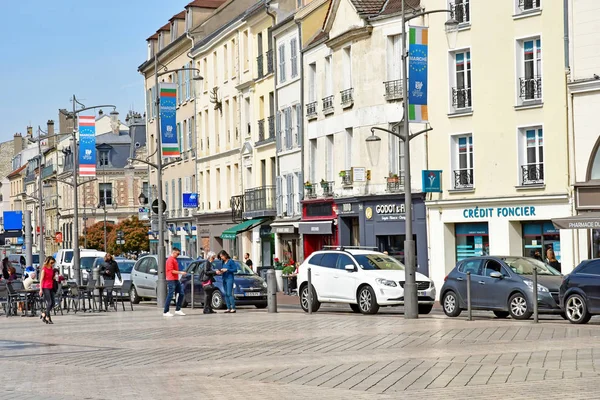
x,y
215,69
103,158
493,266
205,69
463,162
281,63
188,19
289,142
180,194
328,76
312,80
531,155
530,70
225,62
179,136
191,128
312,155
538,238
245,50
188,81
180,86
348,140
289,179
174,31
294,57
396,160
460,11
347,63
344,260
146,191
461,92
394,58
528,5
329,161
105,191
299,124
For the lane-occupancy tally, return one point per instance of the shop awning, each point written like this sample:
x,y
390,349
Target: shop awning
x,y
589,220
232,232
315,228
284,227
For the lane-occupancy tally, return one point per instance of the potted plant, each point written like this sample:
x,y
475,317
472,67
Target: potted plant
x,y
278,273
324,184
343,173
392,178
308,185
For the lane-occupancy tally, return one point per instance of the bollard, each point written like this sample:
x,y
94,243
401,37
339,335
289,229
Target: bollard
x,y
535,295
469,310
271,291
309,290
193,284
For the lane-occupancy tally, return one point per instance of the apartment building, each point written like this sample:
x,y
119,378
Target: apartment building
x,y
500,132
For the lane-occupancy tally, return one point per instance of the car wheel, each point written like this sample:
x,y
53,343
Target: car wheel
x,y
450,304
501,314
355,308
367,302
135,299
261,305
304,299
518,307
576,310
425,308
217,301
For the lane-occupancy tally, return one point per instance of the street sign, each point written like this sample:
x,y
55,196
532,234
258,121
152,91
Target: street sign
x,y
144,213
120,241
155,206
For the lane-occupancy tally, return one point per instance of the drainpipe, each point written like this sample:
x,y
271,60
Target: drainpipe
x,y
301,133
189,54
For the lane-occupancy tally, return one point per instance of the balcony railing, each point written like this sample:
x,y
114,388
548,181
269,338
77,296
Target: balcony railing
x,y
393,90
47,171
269,55
347,97
532,174
327,187
29,178
525,5
260,202
530,88
237,208
311,109
395,185
271,127
310,191
461,97
459,10
259,66
261,130
463,178
346,177
328,104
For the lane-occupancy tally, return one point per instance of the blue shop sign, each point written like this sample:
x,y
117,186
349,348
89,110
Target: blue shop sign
x,y
190,200
499,212
432,181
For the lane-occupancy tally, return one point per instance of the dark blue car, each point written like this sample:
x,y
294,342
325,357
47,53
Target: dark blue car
x,y
580,292
248,288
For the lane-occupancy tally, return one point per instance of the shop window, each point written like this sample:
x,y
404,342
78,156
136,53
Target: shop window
x,y
394,245
472,240
538,238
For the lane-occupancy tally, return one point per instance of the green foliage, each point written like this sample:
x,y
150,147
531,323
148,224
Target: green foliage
x,y
93,236
135,234
288,270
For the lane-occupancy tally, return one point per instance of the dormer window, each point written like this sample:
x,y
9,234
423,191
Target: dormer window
x,y
188,19
103,158
160,41
174,30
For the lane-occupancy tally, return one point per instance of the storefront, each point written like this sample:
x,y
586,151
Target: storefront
x,y
209,228
458,230
287,241
379,222
318,226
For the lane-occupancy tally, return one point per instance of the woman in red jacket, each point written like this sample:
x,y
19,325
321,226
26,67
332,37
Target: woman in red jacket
x,y
47,283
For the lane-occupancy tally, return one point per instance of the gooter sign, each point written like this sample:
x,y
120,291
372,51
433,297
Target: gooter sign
x,y
390,209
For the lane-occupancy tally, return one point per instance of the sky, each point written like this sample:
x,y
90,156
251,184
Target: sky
x,y
52,50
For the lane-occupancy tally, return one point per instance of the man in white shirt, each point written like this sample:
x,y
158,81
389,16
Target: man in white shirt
x,y
30,280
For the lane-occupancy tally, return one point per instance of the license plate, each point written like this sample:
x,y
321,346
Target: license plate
x,y
252,294
422,293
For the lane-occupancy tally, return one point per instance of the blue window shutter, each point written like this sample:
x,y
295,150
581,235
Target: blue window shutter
x,y
290,194
299,124
278,131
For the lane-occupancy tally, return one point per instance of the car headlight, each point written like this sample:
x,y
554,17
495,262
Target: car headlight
x,y
234,285
386,282
541,289
265,285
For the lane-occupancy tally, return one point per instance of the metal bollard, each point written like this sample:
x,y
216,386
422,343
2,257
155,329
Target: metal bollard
x,y
535,295
309,290
192,280
271,291
469,310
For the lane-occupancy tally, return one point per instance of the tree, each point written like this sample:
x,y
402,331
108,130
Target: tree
x,y
135,234
94,235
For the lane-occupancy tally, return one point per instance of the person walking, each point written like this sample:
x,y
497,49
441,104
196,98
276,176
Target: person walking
x,y
110,268
172,273
207,279
47,283
248,261
228,270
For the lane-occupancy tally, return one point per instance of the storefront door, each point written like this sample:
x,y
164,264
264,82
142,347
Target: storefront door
x,y
472,240
540,237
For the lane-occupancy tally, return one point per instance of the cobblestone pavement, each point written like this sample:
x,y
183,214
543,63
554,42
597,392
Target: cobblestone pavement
x,y
290,355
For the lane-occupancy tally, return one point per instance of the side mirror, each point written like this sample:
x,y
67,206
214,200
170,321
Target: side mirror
x,y
496,275
153,271
350,268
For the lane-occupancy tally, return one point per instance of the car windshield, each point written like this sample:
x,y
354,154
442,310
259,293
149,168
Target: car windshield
x,y
378,261
87,262
125,266
524,266
68,256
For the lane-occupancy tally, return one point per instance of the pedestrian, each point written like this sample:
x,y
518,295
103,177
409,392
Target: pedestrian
x,y
5,265
172,273
552,261
228,270
29,281
248,260
47,283
12,274
110,268
536,254
207,279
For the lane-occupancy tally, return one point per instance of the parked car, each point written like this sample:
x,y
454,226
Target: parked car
x,y
502,284
364,279
87,261
64,261
144,276
579,292
249,289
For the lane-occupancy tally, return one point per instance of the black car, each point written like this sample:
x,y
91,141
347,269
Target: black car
x,y
580,292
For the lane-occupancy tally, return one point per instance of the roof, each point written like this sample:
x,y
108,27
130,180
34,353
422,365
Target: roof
x,y
395,6
153,37
17,171
366,8
260,5
181,15
216,33
111,138
165,27
206,3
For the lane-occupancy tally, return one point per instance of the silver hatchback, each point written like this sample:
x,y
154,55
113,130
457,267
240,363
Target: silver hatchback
x,y
144,276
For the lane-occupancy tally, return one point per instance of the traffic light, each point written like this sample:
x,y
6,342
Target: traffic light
x,y
368,174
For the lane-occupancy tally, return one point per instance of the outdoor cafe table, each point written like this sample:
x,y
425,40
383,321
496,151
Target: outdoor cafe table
x,y
100,289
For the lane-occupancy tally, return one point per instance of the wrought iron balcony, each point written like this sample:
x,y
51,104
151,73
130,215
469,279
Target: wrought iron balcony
x,y
260,66
271,127
237,208
393,90
463,178
459,10
261,130
461,97
526,5
395,185
311,109
328,104
260,202
530,88
346,176
269,55
327,187
347,97
47,171
532,174
311,192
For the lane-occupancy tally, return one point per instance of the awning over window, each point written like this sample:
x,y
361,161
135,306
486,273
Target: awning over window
x,y
232,232
316,228
589,220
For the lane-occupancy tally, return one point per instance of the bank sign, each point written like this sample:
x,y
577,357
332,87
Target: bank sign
x,y
499,212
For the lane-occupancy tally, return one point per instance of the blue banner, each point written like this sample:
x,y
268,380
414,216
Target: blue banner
x,y
432,181
87,145
190,200
13,220
168,112
417,76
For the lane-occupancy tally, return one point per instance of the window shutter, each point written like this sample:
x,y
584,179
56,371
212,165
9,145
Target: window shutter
x,y
290,194
294,57
279,196
299,124
288,123
281,63
278,130
300,186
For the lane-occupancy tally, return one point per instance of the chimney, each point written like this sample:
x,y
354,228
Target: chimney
x,y
30,132
50,130
17,144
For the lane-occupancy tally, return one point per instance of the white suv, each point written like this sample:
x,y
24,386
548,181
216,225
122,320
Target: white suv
x,y
362,278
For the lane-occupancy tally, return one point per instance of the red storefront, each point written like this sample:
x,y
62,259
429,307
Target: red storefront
x,y
319,225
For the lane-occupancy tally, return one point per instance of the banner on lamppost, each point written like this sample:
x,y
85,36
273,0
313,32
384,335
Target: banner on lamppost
x,y
417,76
168,111
87,145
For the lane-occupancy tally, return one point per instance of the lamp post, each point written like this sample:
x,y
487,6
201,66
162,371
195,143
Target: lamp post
x,y
102,205
411,309
161,290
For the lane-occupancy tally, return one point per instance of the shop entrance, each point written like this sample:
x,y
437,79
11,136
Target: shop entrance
x,y
472,240
540,237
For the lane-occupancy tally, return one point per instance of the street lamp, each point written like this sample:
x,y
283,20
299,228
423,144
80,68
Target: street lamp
x,y
102,205
411,309
142,199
